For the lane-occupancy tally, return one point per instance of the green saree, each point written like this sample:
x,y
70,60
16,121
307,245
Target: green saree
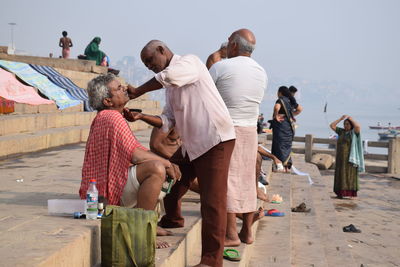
x,y
346,174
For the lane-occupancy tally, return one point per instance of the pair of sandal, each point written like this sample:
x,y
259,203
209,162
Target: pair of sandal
x,y
231,254
301,208
351,229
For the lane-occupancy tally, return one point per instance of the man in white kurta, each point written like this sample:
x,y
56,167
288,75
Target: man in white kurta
x,y
241,81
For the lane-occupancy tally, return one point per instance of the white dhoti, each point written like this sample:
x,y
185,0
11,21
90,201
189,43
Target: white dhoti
x,y
242,191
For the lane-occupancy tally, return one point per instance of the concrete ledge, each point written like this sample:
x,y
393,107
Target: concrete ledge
x,y
68,64
273,244
11,145
15,124
29,109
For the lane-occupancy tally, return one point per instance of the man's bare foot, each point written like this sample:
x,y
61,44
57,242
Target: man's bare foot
x,y
246,237
162,244
231,242
261,195
163,232
258,214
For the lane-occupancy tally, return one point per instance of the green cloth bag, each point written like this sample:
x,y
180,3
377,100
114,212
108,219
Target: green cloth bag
x,y
128,237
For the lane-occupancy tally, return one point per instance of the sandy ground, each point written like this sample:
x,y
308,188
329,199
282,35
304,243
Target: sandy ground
x,y
376,212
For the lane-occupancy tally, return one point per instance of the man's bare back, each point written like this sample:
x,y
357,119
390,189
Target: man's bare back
x,y
65,42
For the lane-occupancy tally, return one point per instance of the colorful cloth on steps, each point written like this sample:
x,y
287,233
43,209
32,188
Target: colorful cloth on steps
x,y
25,72
65,83
12,89
6,106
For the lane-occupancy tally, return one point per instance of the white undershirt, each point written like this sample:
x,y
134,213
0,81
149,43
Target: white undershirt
x,y
241,81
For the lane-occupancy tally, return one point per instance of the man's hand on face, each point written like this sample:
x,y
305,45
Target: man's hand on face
x,y
133,92
131,115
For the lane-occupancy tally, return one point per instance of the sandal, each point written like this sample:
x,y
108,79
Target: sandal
x,y
351,229
301,208
232,254
274,213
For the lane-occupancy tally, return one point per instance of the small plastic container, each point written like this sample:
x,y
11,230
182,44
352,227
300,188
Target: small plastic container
x,y
66,207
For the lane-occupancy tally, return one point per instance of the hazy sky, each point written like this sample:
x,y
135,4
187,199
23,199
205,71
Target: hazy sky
x,y
339,40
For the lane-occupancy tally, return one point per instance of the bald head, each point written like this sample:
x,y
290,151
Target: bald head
x,y
241,43
247,35
156,55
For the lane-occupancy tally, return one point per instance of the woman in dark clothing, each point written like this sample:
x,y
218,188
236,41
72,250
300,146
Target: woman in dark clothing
x,y
346,173
283,127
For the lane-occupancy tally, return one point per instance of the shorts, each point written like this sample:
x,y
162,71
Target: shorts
x,y
130,192
129,195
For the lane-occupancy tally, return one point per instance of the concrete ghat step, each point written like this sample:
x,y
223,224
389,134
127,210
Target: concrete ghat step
x,y
20,108
22,123
247,250
272,244
307,247
186,241
15,124
332,236
44,139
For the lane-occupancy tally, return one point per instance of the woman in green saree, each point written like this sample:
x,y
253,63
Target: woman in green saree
x,y
93,52
346,172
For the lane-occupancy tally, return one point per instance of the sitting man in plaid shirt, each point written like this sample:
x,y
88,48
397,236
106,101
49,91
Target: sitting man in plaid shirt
x,y
127,174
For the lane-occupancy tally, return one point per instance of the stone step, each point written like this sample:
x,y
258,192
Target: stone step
x,y
307,247
332,236
20,108
301,239
80,78
11,145
272,246
68,64
17,144
22,123
15,124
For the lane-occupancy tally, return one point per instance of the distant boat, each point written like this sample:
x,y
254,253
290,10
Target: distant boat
x,y
326,105
389,134
378,127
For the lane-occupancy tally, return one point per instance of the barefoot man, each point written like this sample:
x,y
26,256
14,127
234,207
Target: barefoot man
x,y
241,82
65,43
196,109
127,174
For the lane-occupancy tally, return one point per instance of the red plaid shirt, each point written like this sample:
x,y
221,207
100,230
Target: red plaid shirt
x,y
108,155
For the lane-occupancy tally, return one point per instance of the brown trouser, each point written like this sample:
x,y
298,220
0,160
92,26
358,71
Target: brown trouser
x,y
211,169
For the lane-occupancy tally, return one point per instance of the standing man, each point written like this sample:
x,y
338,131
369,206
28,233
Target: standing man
x,y
196,109
241,82
65,43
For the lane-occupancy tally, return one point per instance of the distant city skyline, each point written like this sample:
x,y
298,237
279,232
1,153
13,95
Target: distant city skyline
x,y
345,41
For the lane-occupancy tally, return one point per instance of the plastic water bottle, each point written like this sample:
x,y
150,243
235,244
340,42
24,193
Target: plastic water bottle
x,y
92,198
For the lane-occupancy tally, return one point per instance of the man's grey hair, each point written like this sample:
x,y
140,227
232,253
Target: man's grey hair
x,y
244,45
98,90
224,45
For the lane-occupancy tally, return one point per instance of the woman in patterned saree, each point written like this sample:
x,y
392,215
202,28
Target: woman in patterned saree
x,y
346,170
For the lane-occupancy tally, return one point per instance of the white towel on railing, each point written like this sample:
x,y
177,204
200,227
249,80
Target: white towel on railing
x,y
296,171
